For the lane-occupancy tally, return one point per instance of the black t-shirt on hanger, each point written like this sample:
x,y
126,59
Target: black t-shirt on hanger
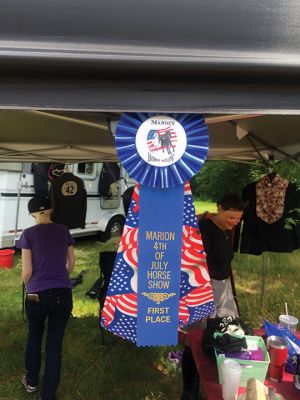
x,y
69,200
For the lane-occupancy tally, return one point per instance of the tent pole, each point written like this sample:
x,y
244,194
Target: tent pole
x,y
72,120
18,206
271,147
228,118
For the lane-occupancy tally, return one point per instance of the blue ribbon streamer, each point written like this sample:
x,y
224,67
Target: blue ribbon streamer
x,y
160,241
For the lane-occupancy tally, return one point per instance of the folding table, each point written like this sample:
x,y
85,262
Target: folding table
x,y
208,374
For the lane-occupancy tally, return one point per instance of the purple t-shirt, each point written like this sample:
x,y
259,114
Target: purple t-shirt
x,y
48,244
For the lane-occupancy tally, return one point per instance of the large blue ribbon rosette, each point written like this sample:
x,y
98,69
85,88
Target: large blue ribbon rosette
x,y
161,152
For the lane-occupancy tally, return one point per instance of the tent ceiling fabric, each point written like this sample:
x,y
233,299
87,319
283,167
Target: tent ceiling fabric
x,y
217,56
57,136
277,134
30,136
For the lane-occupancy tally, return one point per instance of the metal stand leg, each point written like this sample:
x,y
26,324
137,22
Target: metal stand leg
x,y
102,334
263,278
100,326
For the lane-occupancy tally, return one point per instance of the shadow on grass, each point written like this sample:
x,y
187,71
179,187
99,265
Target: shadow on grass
x,y
91,370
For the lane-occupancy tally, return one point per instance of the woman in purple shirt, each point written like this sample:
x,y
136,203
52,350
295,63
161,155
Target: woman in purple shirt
x,y
47,260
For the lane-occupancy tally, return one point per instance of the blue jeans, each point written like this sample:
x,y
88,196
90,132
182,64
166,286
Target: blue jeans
x,y
56,305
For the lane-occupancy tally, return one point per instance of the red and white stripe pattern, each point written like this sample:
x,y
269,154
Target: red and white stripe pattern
x,y
193,259
184,313
135,197
126,303
197,297
128,239
131,258
187,189
200,295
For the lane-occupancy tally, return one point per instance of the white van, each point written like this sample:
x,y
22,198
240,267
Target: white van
x,y
105,215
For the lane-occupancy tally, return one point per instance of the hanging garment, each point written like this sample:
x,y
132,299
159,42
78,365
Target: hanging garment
x,y
270,196
196,300
69,200
110,174
267,205
55,170
40,178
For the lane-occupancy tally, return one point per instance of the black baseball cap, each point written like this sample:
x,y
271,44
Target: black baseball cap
x,y
38,203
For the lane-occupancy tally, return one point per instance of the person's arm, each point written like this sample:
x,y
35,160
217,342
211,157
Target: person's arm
x,y
70,259
26,265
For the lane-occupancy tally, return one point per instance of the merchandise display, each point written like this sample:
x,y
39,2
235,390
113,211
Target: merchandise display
x,y
268,203
68,200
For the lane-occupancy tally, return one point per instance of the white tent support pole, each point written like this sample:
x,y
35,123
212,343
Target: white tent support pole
x,y
294,157
18,206
270,146
87,150
28,154
236,153
76,121
250,140
249,137
230,159
226,118
9,152
74,160
208,120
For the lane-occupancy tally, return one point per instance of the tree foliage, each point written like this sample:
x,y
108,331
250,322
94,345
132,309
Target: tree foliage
x,y
287,169
217,178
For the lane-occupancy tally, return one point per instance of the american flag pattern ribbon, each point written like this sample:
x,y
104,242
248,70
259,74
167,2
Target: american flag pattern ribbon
x,y
119,314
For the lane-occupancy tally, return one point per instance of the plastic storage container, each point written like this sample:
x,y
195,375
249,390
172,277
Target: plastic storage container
x,y
7,258
288,321
250,368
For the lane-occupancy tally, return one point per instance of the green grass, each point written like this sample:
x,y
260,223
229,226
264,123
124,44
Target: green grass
x,y
202,206
118,370
282,276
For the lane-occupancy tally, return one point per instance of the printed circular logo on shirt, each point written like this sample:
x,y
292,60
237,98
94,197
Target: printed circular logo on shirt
x,y
69,188
161,140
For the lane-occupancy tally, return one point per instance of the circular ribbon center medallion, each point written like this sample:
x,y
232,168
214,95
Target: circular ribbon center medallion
x,y
161,141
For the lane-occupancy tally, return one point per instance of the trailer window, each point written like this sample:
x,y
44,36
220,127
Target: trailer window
x,y
87,168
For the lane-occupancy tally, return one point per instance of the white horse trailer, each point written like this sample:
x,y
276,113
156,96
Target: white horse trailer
x,y
105,215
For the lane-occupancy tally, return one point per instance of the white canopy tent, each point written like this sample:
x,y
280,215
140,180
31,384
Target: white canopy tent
x,y
41,136
88,136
